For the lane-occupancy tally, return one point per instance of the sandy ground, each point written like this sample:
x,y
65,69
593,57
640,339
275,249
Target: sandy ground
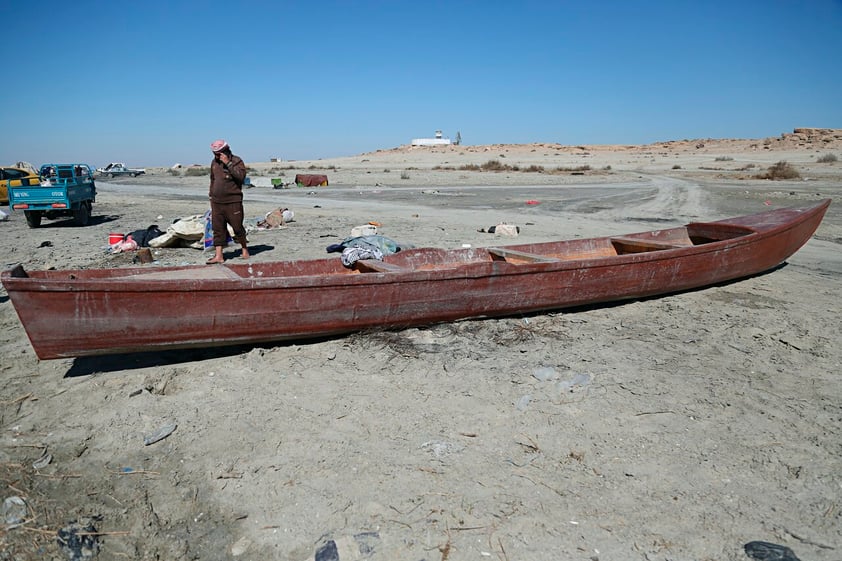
x,y
701,421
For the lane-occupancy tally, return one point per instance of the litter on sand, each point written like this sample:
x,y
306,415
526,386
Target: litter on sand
x,y
160,434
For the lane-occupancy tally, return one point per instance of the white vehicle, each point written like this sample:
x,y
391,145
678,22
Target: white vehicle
x,y
116,169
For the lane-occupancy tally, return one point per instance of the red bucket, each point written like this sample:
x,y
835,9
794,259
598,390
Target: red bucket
x,y
114,238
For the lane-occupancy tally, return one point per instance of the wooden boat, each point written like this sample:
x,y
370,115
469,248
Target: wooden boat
x,y
69,313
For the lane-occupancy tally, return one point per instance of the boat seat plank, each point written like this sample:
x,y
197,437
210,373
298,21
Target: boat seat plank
x,y
375,266
523,256
636,244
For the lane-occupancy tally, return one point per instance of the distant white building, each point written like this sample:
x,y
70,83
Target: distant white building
x,y
437,141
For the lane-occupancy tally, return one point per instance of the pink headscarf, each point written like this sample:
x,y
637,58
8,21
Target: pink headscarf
x,y
218,145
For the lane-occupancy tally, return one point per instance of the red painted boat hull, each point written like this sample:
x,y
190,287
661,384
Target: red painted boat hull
x,y
71,313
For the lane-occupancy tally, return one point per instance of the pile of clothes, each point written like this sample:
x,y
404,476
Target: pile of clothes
x,y
138,238
365,247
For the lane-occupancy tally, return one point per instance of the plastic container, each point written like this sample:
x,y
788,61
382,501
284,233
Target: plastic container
x,y
114,238
364,230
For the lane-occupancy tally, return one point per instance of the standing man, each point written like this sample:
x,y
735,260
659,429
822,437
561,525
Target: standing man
x,y
228,172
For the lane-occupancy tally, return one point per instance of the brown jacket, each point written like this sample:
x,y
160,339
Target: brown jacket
x,y
226,182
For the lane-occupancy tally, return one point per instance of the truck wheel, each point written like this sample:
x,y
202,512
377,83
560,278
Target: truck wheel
x,y
113,175
33,218
82,215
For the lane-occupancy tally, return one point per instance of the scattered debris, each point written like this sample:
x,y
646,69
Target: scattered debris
x,y
79,541
347,548
502,229
579,380
276,219
43,461
364,230
160,434
14,512
545,373
765,551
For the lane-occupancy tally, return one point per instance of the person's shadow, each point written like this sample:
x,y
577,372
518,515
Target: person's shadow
x,y
253,250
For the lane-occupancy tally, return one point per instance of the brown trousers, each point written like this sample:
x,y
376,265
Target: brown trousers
x,y
223,215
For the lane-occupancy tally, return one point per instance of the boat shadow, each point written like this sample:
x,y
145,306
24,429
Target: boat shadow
x,y
85,366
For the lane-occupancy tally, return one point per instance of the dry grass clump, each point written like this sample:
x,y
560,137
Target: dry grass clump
x,y
573,169
196,172
490,165
827,159
496,165
781,170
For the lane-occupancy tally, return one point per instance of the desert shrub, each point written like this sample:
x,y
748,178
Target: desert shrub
x,y
404,175
781,170
827,159
577,168
724,158
387,170
470,167
534,169
493,165
197,171
607,168
676,166
174,172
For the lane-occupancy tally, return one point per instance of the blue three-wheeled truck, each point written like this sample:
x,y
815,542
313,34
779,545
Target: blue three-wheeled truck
x,y
64,190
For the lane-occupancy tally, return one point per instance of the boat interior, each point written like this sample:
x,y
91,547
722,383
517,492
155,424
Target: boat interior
x,y
428,259
692,235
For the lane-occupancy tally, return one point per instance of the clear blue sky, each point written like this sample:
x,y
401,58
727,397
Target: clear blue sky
x,y
153,83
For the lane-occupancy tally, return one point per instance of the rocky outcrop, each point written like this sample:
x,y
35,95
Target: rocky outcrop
x,y
813,136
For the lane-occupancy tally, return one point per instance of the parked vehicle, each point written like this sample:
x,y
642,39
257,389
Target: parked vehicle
x,y
117,169
62,190
15,177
